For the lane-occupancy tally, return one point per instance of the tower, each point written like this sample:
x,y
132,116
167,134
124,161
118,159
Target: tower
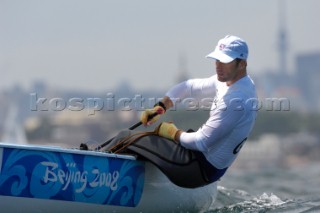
x,y
282,39
182,68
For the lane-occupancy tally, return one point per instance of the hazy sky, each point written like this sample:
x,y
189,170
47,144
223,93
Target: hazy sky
x,y
95,45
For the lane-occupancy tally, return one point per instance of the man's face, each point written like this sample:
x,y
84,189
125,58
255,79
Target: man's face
x,y
228,72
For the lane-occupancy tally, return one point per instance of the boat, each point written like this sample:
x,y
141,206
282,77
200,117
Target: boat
x,y
40,178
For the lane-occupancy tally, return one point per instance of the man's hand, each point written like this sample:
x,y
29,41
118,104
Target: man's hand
x,y
168,130
145,115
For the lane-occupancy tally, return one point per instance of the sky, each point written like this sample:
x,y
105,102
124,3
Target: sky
x,y
99,44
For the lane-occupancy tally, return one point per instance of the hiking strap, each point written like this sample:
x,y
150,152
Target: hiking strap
x,y
128,140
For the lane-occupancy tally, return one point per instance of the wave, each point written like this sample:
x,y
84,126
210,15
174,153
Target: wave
x,y
235,200
274,190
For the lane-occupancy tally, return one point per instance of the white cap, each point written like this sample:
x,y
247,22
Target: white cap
x,y
230,48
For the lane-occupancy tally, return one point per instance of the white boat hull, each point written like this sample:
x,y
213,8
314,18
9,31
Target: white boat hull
x,y
159,194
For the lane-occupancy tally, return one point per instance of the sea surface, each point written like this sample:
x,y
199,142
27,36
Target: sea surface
x,y
270,190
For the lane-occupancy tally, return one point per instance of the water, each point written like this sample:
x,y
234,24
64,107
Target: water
x,y
270,190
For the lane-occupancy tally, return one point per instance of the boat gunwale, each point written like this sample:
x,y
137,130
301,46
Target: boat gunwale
x,y
66,150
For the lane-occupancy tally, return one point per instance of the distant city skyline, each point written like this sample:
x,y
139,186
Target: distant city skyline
x,y
96,46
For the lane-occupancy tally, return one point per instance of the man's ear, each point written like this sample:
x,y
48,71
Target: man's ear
x,y
243,64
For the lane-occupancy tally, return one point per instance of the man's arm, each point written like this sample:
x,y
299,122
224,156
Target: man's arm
x,y
167,102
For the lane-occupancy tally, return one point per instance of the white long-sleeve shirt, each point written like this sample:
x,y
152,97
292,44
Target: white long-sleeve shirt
x,y
231,119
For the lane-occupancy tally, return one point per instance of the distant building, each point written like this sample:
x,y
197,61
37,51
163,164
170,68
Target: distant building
x,y
265,153
308,75
182,69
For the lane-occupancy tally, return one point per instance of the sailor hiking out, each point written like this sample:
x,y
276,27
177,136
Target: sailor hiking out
x,y
196,158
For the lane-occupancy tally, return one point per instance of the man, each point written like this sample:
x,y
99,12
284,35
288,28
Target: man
x,y
232,116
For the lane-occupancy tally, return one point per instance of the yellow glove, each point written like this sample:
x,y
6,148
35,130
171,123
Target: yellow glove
x,y
148,112
167,130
